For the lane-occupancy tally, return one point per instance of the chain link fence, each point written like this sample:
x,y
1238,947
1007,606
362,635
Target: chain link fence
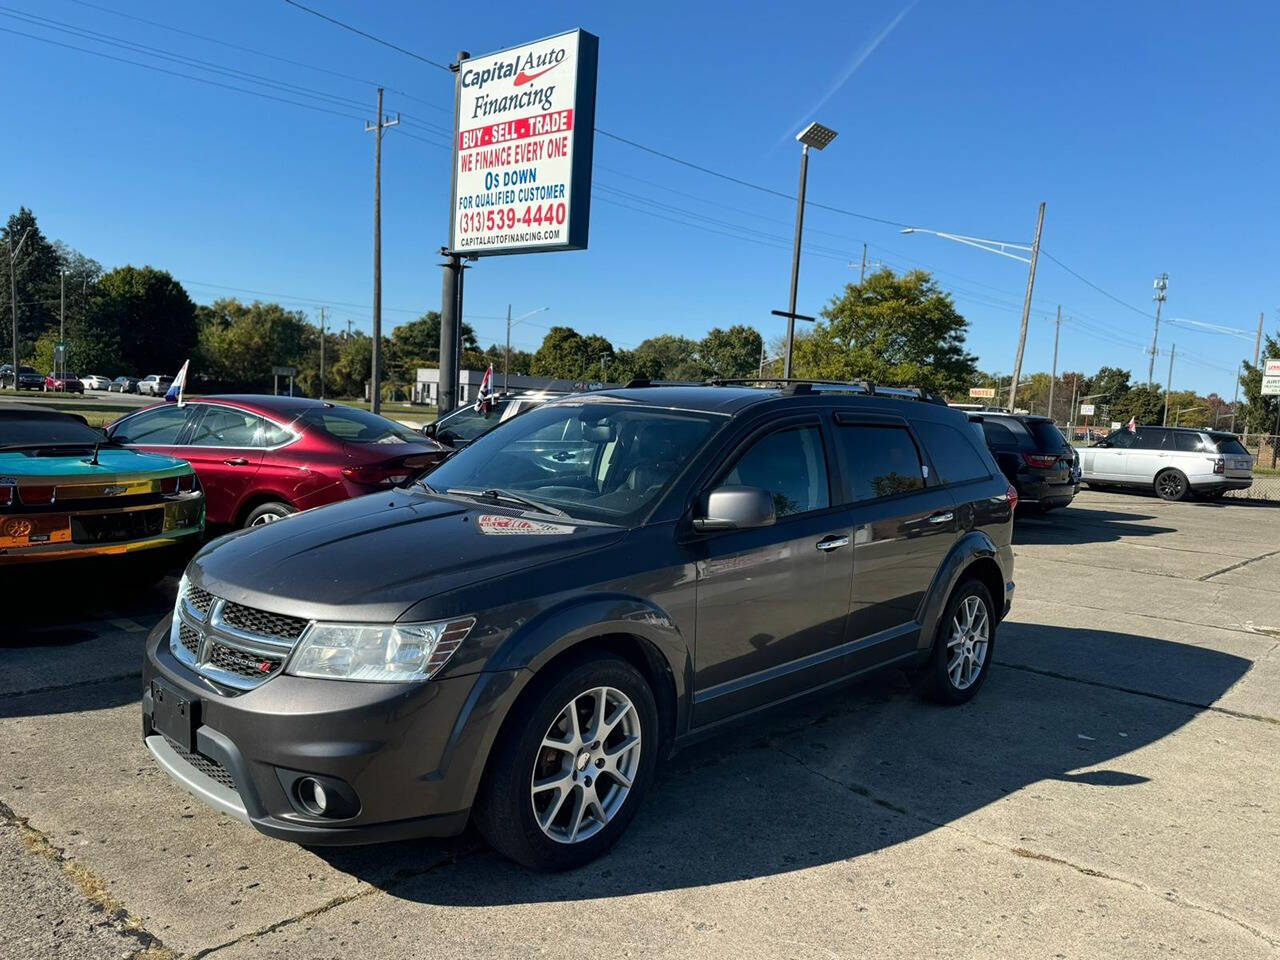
x,y
1266,468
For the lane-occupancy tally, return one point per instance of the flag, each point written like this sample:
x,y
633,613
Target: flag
x,y
484,397
179,384
1133,425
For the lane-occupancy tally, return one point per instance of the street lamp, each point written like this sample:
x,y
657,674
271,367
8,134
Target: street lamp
x,y
996,246
506,357
1181,410
817,136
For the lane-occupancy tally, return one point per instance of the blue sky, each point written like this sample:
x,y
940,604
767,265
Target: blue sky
x,y
1150,129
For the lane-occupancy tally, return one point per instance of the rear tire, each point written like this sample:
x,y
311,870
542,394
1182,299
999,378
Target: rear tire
x,y
964,646
523,812
266,513
1172,485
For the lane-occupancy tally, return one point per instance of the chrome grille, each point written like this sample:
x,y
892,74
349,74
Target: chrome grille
x,y
242,664
199,600
231,644
189,639
209,767
261,622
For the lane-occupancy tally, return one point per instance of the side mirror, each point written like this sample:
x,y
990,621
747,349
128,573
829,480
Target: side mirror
x,y
429,430
734,508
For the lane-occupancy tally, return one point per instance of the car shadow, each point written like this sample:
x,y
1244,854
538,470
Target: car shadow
x,y
848,773
1076,525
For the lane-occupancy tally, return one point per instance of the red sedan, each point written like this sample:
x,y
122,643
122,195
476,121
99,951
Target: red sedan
x,y
67,383
260,458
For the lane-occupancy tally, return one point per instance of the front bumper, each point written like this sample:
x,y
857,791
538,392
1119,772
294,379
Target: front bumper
x,y
410,755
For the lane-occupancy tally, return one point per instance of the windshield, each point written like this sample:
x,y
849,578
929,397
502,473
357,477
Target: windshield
x,y
464,425
357,426
606,461
27,429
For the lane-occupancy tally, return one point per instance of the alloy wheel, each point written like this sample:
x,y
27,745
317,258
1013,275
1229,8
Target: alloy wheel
x,y
588,760
1170,486
264,518
967,644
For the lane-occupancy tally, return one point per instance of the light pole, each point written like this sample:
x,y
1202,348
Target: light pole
x,y
1161,285
13,297
996,246
506,357
817,136
1177,414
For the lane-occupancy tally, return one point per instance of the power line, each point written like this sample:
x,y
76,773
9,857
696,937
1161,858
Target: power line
x,y
367,36
1088,282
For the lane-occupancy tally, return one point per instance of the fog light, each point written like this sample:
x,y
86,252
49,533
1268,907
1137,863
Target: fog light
x,y
312,796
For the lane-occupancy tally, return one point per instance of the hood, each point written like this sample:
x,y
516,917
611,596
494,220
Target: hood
x,y
114,463
373,557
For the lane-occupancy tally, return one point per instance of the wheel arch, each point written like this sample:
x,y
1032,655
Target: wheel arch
x,y
256,498
974,555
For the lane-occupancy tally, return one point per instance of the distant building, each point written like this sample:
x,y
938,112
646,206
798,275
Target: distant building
x,y
426,388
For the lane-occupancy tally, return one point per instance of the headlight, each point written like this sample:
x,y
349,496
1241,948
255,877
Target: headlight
x,y
393,652
183,584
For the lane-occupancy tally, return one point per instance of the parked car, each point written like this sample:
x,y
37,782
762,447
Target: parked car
x,y
123,385
1034,456
261,458
66,383
465,424
95,382
520,644
66,491
1175,462
28,378
155,385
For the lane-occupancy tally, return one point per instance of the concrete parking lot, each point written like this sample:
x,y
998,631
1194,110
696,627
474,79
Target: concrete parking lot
x,y
1114,790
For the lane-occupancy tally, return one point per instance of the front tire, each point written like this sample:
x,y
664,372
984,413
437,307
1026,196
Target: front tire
x,y
1172,485
266,513
571,766
964,646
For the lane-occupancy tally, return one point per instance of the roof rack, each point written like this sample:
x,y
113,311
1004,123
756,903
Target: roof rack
x,y
803,385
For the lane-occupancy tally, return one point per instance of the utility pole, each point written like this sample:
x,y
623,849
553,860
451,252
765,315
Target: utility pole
x,y
1057,329
375,388
1161,285
1075,390
62,321
506,357
1257,344
322,353
1173,348
862,274
13,297
1026,310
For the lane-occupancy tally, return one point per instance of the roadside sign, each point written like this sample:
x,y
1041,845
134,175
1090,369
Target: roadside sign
x,y
1271,379
524,126
1115,424
284,371
982,393
1086,409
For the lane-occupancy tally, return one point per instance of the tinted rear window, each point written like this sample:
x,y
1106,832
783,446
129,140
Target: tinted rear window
x,y
1231,445
1006,433
1047,436
357,426
879,461
954,455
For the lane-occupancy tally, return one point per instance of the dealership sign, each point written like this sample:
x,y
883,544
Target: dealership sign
x,y
524,125
1271,379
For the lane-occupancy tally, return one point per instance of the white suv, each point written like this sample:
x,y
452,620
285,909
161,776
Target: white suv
x,y
1175,462
156,385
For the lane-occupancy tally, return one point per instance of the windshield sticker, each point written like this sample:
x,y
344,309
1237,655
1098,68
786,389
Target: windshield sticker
x,y
495,525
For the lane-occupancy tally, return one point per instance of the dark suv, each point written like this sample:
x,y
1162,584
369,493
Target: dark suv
x,y
575,594
1034,456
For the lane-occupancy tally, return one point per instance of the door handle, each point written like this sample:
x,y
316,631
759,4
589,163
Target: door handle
x,y
236,462
942,517
832,543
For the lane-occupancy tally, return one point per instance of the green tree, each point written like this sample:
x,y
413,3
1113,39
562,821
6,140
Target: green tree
x,y
240,343
568,355
1257,413
36,277
893,329
1195,409
351,366
417,344
668,357
1142,403
158,328
731,353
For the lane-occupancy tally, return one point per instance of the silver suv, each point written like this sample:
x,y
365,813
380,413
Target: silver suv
x,y
1175,462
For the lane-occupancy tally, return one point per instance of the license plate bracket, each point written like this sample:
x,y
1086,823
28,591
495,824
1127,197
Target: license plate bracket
x,y
174,714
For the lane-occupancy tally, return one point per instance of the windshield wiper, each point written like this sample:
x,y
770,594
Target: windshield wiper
x,y
510,497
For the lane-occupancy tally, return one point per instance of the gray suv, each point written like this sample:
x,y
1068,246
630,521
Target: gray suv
x,y
520,637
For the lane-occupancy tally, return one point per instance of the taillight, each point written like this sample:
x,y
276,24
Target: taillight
x,y
1041,460
1012,494
377,475
1219,466
36,496
7,496
169,485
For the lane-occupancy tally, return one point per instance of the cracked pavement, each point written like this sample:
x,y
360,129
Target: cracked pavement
x,y
1114,790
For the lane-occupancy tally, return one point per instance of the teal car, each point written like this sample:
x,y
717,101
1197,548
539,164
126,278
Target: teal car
x,y
67,491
